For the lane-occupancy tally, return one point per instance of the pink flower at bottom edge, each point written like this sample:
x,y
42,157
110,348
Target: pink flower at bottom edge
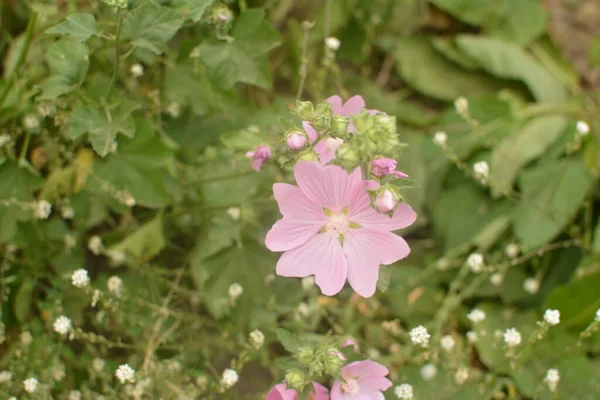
x,y
281,392
363,380
330,230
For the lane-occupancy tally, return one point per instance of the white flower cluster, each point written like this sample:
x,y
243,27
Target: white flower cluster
x,y
461,105
95,245
512,337
552,378
125,373
552,317
512,250
582,128
115,285
447,343
475,262
333,43
80,278
62,325
235,291
531,285
598,315
42,209
476,315
481,171
229,378
30,385
440,139
257,339
137,70
420,336
404,392
428,372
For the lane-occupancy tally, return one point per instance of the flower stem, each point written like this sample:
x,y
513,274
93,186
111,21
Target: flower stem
x,y
306,26
21,59
117,57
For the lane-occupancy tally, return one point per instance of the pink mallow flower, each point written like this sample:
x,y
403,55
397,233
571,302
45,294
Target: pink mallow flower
x,y
296,141
326,148
330,230
363,380
381,167
281,392
385,201
261,155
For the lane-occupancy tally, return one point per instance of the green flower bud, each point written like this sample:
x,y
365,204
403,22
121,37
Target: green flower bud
x,y
296,379
308,155
386,124
323,116
333,362
305,355
316,367
363,122
305,110
339,126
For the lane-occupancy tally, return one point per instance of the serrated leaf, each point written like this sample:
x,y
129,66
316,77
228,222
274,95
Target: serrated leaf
x,y
577,301
243,58
509,61
288,340
521,147
552,193
146,242
150,26
102,126
139,166
68,60
79,26
186,88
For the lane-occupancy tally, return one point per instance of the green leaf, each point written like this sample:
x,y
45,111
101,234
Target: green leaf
x,y
79,26
520,21
103,125
186,88
23,300
19,184
242,58
429,72
507,60
520,148
385,275
577,301
69,62
139,166
146,242
150,26
551,196
192,9
288,340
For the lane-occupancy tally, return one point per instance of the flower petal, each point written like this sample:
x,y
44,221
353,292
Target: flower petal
x,y
336,104
329,186
361,212
287,234
310,131
295,205
321,256
353,106
364,369
366,250
375,383
281,392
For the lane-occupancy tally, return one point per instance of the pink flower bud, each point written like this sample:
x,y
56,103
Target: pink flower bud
x,y
261,155
385,201
385,166
296,141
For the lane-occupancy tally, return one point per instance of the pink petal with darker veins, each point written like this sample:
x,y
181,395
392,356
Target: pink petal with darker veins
x,y
353,106
287,234
294,204
336,104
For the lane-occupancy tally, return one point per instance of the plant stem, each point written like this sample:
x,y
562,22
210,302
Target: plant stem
x,y
21,59
117,57
304,59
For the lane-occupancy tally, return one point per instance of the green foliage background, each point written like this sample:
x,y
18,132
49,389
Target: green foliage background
x,y
213,88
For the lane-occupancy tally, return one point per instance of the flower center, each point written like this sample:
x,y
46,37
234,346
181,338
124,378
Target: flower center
x,y
350,387
337,224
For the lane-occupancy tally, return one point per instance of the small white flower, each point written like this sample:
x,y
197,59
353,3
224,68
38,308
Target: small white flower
x,y
552,317
512,250
442,264
95,245
475,262
392,326
67,212
333,43
5,376
552,378
583,128
476,315
137,70
404,392
481,171
420,336
26,338
31,121
62,325
229,378
74,395
234,213
512,337
235,291
125,373
461,375
46,109
174,110
128,200
303,310
4,138
308,282
447,343
42,209
440,138
58,373
70,241
30,385
12,398
117,257
531,285
497,279
472,336
95,297
195,53
598,315
98,364
80,278
257,339
461,105
428,372
115,285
